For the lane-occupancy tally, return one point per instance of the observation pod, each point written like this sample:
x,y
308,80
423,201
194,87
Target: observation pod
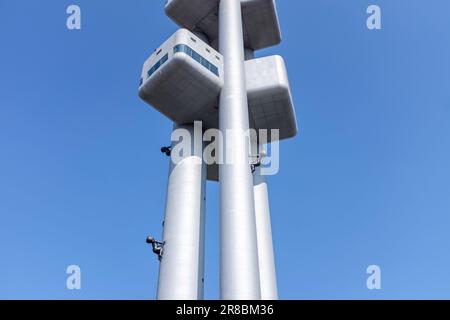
x,y
259,19
183,78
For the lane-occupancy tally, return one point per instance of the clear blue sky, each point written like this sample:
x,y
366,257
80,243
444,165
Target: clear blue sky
x,y
366,182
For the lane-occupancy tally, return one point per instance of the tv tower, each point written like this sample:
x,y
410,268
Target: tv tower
x,y
207,73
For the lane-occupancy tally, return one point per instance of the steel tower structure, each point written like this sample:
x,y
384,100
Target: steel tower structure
x,y
206,72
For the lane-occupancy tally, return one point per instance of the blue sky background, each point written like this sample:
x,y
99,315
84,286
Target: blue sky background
x,y
366,182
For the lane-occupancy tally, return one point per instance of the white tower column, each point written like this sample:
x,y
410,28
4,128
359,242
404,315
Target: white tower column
x,y
267,271
239,273
266,259
182,265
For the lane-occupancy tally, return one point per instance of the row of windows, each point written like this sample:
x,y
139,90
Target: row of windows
x,y
207,50
190,52
158,65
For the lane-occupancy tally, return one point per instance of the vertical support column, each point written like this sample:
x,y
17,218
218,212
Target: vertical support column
x,y
267,271
182,265
266,259
239,274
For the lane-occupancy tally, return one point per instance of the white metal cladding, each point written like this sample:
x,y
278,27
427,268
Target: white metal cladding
x,y
260,20
183,88
181,271
267,270
269,96
239,269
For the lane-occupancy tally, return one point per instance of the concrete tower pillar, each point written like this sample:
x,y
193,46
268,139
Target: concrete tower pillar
x,y
182,265
239,272
267,271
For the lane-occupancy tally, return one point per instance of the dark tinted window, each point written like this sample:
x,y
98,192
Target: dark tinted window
x,y
197,57
157,65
